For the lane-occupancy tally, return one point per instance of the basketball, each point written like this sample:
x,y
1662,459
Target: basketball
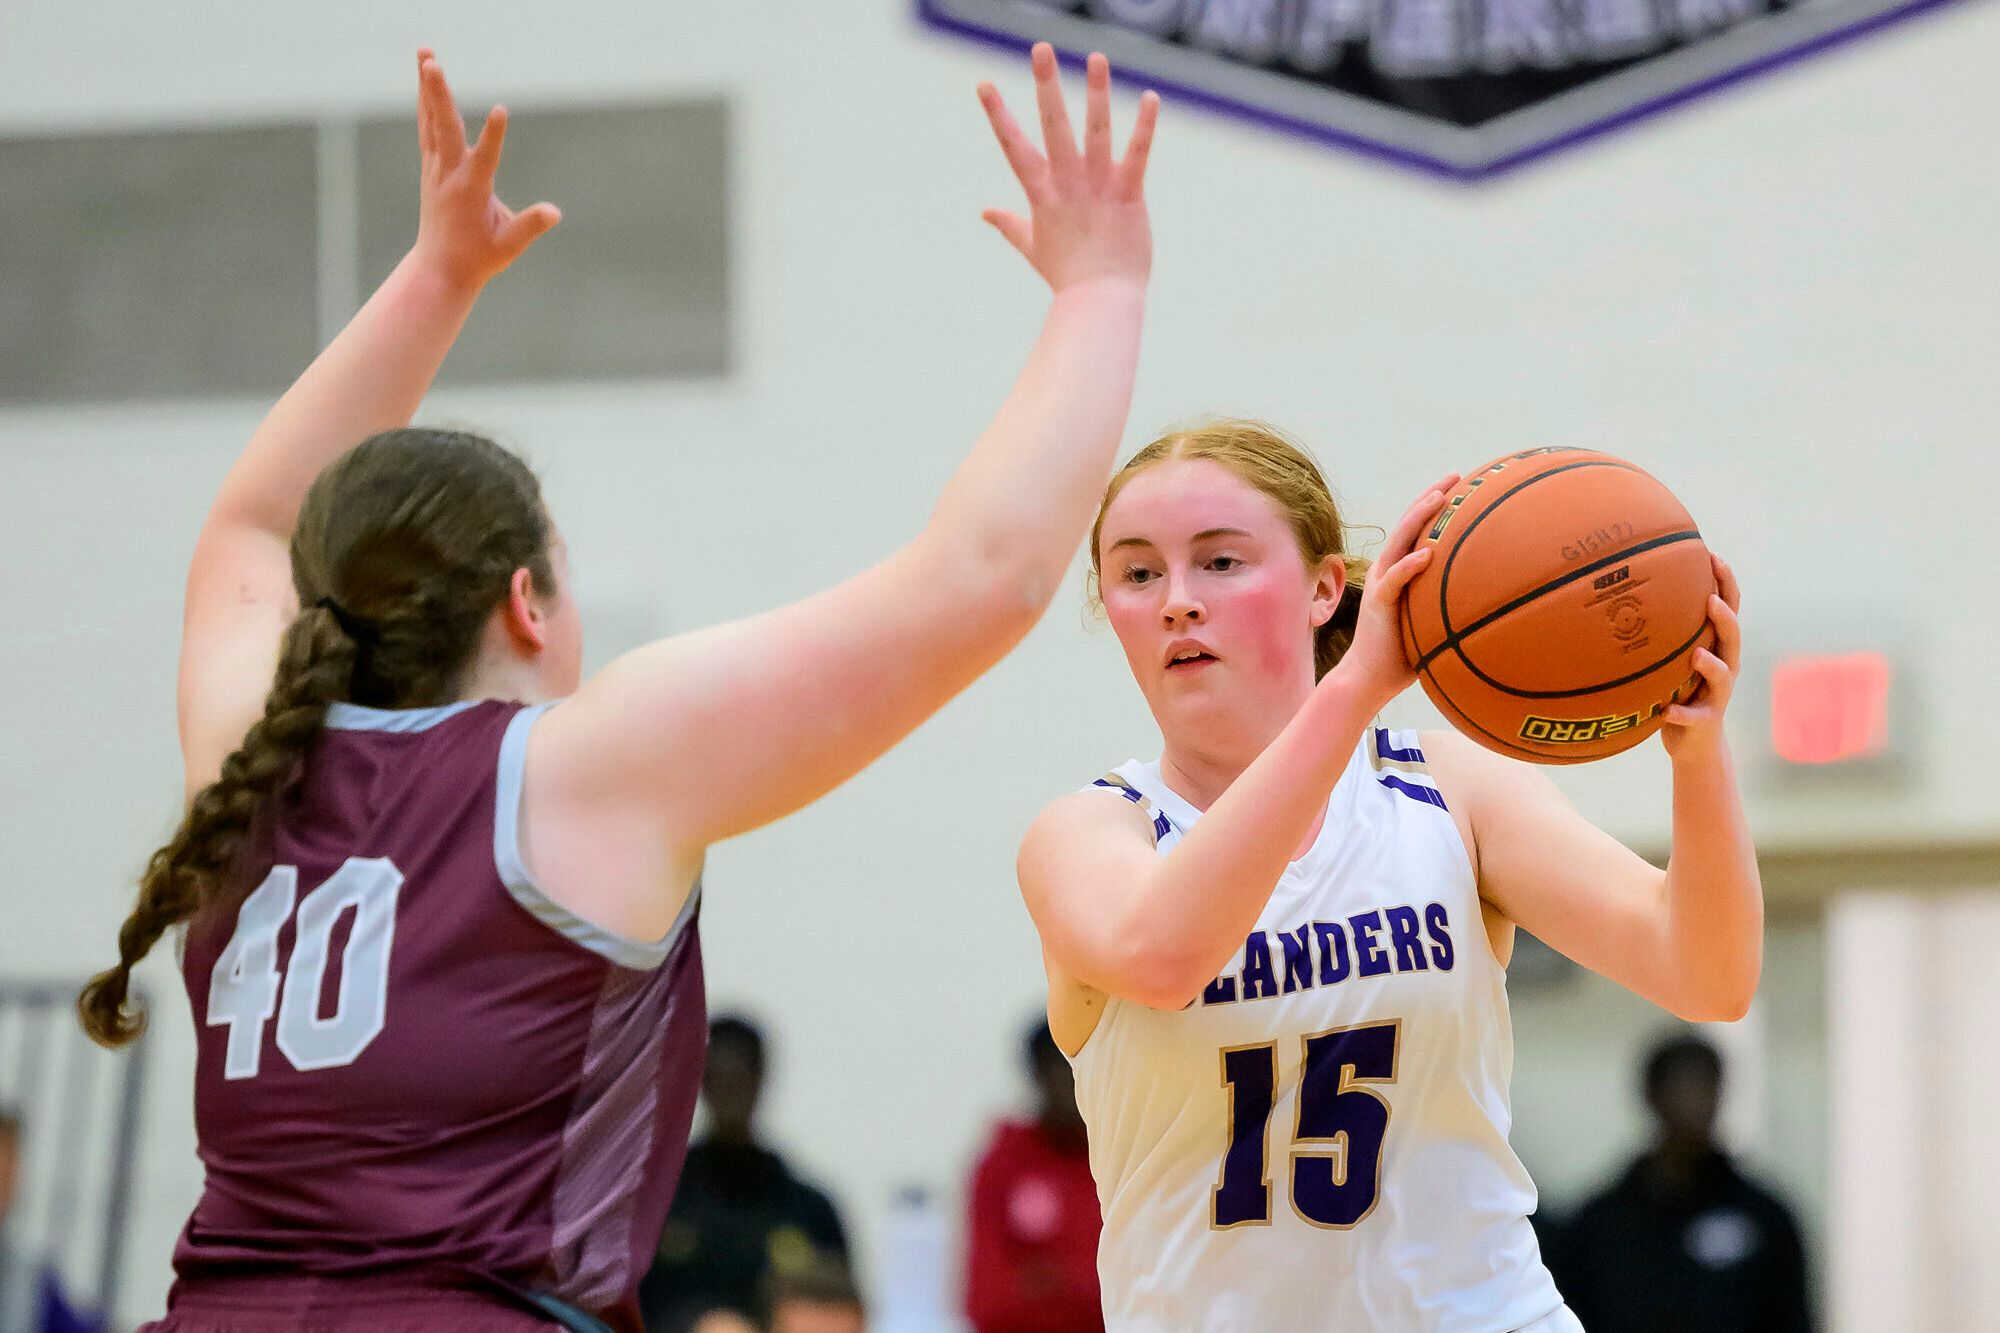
x,y
1560,613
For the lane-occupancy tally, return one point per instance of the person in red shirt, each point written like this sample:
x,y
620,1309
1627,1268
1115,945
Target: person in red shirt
x,y
1031,1233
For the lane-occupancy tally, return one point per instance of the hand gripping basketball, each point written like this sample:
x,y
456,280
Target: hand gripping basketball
x,y
1569,607
464,233
1375,661
1693,730
1087,211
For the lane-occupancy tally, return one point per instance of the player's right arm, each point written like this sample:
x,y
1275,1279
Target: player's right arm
x,y
701,737
1120,919
369,378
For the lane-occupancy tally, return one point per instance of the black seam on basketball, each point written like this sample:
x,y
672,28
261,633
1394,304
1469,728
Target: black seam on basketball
x,y
1466,720
1587,689
1452,640
1444,575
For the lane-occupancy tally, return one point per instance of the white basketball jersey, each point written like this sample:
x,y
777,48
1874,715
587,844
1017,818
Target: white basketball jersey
x,y
1319,1141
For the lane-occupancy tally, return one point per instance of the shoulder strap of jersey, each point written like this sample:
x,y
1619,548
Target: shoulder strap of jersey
x,y
1398,764
1116,782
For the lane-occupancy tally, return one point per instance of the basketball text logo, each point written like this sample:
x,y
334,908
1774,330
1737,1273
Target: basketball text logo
x,y
1606,538
1581,731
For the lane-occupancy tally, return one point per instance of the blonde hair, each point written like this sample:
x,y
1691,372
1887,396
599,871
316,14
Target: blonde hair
x,y
1275,464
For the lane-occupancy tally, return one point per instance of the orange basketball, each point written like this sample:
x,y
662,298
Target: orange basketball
x,y
1560,614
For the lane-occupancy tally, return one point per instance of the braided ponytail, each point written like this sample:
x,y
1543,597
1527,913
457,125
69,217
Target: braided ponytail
x,y
316,661
404,546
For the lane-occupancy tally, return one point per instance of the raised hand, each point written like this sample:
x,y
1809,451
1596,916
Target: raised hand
x,y
1376,659
1087,212
1694,729
464,232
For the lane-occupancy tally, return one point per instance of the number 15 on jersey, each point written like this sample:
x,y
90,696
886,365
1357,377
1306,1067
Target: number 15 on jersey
x,y
1342,1123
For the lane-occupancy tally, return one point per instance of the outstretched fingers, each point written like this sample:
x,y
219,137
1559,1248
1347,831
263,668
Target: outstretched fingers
x,y
1097,117
1058,139
1132,171
1038,170
1029,166
1020,233
447,130
525,228
486,153
425,139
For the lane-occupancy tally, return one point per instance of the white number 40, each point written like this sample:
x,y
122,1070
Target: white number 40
x,y
246,987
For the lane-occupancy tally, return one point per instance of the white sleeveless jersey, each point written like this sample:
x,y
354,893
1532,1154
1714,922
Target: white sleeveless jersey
x,y
1319,1141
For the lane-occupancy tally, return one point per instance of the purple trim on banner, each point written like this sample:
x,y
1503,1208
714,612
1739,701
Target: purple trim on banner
x,y
932,16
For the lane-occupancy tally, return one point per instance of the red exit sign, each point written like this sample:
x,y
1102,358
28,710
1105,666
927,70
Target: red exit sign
x,y
1832,708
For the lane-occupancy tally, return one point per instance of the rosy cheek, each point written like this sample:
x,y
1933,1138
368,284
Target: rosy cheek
x,y
1264,618
1130,621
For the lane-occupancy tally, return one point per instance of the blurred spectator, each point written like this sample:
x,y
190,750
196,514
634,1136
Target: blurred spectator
x,y
10,1161
1682,1241
740,1217
821,1298
17,1280
723,1321
1031,1236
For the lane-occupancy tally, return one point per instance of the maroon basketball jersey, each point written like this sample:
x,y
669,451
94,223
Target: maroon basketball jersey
x,y
410,1058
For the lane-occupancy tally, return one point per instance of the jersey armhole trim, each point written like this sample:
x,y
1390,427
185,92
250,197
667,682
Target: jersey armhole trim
x,y
637,955
345,716
1113,782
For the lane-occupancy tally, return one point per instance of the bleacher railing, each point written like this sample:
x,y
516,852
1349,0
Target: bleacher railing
x,y
79,1107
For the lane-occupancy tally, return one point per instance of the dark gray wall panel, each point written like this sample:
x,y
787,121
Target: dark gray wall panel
x,y
166,264
635,282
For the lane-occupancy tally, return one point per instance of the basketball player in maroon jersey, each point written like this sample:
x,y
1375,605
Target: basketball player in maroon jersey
x,y
441,939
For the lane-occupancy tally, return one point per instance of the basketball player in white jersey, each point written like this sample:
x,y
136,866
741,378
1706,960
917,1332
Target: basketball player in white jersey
x,y
1276,955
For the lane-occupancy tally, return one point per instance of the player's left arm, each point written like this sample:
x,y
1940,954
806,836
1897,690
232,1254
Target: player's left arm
x,y
1689,938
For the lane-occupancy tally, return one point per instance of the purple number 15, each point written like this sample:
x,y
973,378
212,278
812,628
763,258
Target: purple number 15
x,y
1336,1157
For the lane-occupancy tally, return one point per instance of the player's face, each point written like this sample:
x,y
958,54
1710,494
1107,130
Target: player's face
x,y
1203,582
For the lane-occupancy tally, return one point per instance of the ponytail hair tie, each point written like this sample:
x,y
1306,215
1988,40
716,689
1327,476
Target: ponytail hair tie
x,y
363,632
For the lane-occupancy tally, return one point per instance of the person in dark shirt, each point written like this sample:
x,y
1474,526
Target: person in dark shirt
x,y
741,1217
1031,1232
1682,1242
